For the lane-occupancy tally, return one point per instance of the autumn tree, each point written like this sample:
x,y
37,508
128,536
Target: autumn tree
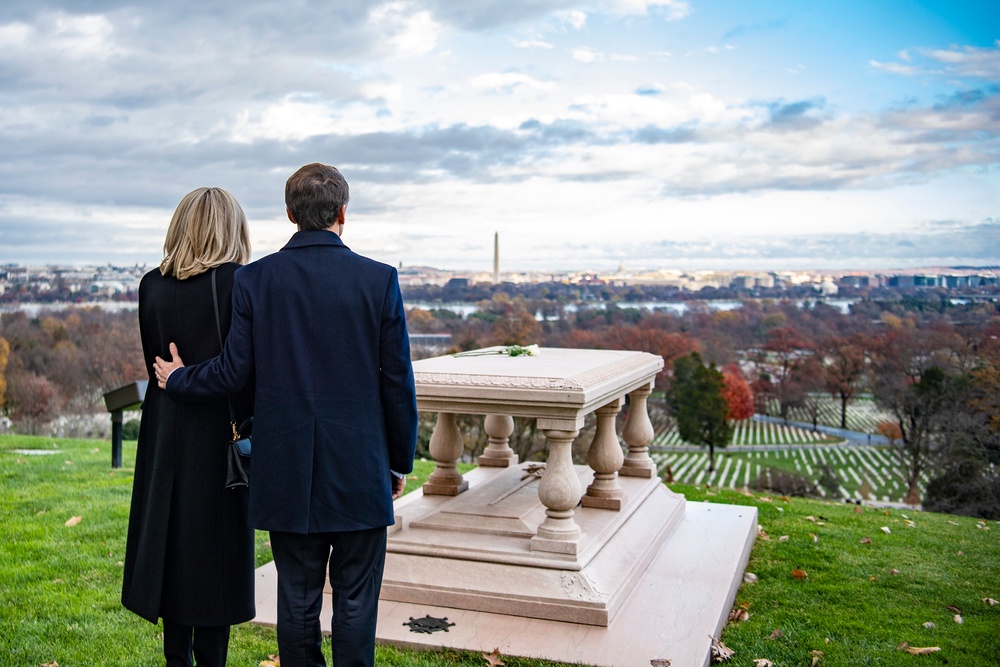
x,y
33,402
699,406
665,344
739,397
782,360
967,478
844,370
4,358
911,381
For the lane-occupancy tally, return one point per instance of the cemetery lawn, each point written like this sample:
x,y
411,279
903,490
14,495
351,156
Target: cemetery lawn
x,y
60,578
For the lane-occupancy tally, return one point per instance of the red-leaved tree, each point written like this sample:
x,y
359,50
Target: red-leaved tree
x,y
737,393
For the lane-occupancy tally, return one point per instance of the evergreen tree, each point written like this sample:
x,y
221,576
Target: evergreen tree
x,y
697,399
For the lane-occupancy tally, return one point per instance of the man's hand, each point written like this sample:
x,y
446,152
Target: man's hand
x,y
163,368
398,484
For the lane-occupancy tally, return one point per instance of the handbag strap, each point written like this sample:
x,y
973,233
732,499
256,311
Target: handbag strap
x,y
218,330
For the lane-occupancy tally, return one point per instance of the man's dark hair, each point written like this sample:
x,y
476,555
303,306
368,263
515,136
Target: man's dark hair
x,y
315,194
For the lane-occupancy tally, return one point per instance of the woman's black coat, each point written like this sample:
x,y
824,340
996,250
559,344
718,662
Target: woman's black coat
x,y
189,554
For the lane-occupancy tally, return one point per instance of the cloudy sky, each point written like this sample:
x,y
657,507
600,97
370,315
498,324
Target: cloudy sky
x,y
588,133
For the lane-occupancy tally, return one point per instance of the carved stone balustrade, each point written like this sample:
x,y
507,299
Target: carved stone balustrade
x,y
579,536
558,388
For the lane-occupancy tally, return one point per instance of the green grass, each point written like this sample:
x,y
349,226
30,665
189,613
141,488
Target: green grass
x,y
60,585
852,607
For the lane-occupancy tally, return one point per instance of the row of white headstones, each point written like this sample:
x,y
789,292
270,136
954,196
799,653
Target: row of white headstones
x,y
864,466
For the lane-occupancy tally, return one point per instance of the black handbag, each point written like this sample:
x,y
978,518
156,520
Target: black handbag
x,y
238,456
239,447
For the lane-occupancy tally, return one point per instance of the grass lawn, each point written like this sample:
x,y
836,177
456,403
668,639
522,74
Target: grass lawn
x,y
60,584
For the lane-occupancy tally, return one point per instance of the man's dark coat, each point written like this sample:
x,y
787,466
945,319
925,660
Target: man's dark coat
x,y
324,331
189,552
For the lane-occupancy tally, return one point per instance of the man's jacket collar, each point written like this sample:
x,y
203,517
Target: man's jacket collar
x,y
312,237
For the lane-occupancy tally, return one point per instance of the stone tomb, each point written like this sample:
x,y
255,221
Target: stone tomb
x,y
474,551
562,547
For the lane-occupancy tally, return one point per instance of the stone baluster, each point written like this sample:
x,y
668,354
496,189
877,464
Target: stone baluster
x,y
559,491
638,434
605,458
446,447
498,453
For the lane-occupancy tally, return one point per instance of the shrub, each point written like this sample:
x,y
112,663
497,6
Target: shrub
x,y
784,482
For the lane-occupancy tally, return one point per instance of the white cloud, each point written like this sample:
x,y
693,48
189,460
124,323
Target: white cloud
x,y
411,32
969,61
673,10
289,119
508,82
585,55
532,44
573,19
896,68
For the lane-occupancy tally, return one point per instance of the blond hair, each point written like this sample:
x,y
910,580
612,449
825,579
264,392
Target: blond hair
x,y
208,229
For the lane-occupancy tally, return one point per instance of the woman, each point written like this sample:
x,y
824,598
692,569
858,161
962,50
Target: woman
x,y
189,555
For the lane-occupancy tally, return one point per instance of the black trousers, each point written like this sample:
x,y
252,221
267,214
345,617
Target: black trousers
x,y
354,560
183,644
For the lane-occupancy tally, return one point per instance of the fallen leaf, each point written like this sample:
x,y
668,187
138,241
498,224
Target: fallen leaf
x,y
990,601
783,538
765,499
810,518
799,574
958,619
751,578
885,529
953,608
72,521
826,641
858,510
872,578
954,523
51,664
814,536
69,463
777,633
269,663
930,625
914,650
738,615
786,499
816,656
493,659
762,662
762,535
659,662
720,652
866,540
780,509
894,572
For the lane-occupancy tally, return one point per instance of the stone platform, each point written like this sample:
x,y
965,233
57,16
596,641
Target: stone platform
x,y
652,580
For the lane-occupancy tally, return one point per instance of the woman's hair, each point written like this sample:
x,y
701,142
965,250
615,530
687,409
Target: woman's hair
x,y
208,229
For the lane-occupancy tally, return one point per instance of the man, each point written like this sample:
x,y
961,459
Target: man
x,y
323,332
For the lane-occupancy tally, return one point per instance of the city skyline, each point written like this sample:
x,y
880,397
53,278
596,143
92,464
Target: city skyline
x,y
590,134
